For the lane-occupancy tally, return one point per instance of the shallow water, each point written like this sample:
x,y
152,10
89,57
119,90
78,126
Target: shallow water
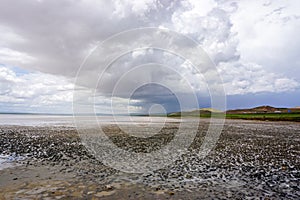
x,y
35,120
7,161
69,120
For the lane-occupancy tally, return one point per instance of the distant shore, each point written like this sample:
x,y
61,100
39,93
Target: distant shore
x,y
293,117
263,113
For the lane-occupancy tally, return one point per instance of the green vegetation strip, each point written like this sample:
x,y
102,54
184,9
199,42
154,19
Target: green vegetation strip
x,y
247,116
266,116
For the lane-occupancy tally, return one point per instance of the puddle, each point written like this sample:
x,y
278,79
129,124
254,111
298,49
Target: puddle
x,y
7,161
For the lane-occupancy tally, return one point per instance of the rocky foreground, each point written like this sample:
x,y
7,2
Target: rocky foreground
x,y
251,159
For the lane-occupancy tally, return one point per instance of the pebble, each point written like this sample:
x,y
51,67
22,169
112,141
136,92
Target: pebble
x,y
104,193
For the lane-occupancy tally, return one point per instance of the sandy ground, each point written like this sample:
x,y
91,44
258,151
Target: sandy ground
x,y
252,159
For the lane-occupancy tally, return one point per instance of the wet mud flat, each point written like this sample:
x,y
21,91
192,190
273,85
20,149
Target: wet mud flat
x,y
252,159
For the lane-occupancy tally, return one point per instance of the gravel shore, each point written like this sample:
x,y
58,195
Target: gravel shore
x,y
252,159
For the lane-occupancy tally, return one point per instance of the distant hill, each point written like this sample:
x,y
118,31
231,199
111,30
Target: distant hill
x,y
263,109
210,110
205,112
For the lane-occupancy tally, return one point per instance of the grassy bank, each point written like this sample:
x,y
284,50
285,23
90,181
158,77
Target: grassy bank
x,y
247,116
266,116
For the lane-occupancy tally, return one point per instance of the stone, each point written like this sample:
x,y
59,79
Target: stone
x,y
104,193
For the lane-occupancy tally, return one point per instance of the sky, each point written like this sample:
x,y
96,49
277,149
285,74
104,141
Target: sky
x,y
254,46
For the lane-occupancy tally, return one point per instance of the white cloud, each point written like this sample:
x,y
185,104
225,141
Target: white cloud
x,y
252,78
212,30
252,43
268,34
9,55
38,90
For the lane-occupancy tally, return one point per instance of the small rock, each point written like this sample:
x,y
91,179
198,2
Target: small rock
x,y
109,187
104,193
188,176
